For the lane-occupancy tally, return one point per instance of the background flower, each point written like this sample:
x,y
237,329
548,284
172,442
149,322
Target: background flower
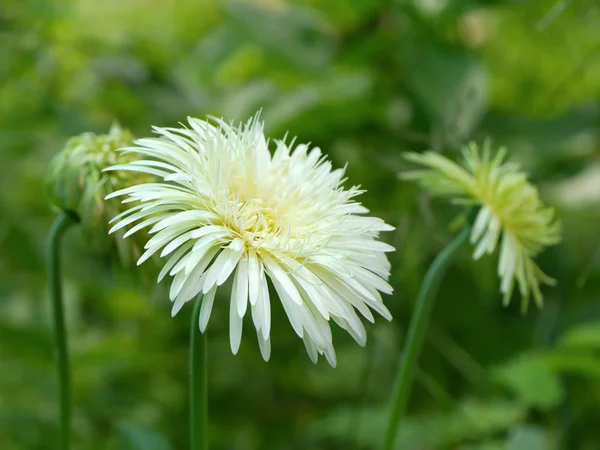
x,y
226,207
511,213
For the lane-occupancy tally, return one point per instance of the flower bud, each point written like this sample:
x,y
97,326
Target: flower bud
x,y
78,185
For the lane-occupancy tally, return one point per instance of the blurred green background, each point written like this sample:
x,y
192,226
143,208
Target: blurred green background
x,y
365,80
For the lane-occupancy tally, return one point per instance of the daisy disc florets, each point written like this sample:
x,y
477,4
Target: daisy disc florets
x,y
511,214
225,207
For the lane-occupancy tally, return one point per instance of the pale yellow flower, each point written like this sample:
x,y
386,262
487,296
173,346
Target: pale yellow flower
x,y
510,214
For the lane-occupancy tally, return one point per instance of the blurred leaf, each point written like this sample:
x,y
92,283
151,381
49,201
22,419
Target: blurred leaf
x,y
471,419
526,82
450,84
244,101
487,445
26,340
553,138
583,335
294,34
524,437
339,88
586,363
131,436
532,380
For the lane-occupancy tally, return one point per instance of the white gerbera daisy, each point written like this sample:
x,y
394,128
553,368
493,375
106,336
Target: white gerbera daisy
x,y
226,206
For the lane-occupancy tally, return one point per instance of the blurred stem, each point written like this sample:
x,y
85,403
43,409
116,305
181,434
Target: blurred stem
x,y
198,384
60,225
416,333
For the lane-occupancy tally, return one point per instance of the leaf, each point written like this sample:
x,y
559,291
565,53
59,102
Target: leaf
x,y
131,436
577,363
25,341
449,84
532,380
339,89
584,335
526,437
487,445
471,419
290,32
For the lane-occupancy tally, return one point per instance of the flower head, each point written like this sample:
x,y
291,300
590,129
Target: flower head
x,y
226,207
78,185
511,213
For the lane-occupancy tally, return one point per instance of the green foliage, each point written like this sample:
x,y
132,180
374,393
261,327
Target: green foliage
x,y
134,437
528,438
586,335
365,80
532,381
470,420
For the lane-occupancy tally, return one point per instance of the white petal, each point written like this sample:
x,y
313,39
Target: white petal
x,y
125,213
144,224
190,288
265,346
177,284
481,222
368,278
275,271
175,243
189,261
221,268
380,308
194,216
360,245
309,323
137,168
254,270
165,236
132,218
195,274
256,315
266,307
177,305
354,327
330,356
229,265
311,349
206,308
147,254
235,324
173,259
242,286
507,263
290,309
209,229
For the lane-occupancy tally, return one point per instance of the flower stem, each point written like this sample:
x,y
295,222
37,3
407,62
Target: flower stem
x,y
198,384
60,225
416,333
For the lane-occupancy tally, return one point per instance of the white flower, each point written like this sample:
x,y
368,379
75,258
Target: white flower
x,y
511,215
226,206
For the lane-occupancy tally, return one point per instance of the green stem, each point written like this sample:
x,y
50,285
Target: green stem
x,y
60,225
198,384
416,333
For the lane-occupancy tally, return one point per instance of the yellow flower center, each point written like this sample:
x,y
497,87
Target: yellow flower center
x,y
256,220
